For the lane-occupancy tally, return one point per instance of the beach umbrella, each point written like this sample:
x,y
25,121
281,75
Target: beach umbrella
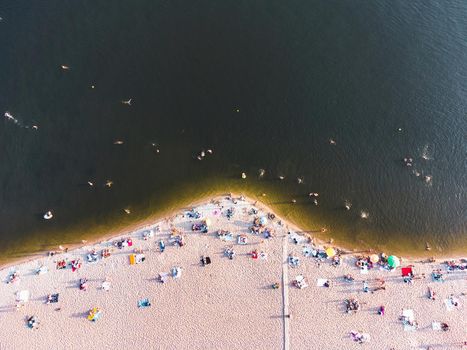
x,y
94,314
374,258
330,252
207,222
393,261
263,221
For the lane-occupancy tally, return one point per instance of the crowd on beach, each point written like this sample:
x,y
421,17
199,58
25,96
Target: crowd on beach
x,y
262,226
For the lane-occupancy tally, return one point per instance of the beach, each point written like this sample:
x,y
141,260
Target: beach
x,y
229,303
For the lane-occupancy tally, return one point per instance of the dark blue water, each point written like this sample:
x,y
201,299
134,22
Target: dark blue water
x,y
266,85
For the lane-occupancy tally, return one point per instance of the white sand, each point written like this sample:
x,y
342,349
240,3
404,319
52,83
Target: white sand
x,y
228,304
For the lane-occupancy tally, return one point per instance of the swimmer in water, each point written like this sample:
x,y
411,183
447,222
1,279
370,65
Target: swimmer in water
x,y
65,67
332,142
428,178
48,215
9,116
364,215
118,142
127,211
109,183
299,180
155,145
347,205
90,183
408,161
243,176
127,102
281,177
262,172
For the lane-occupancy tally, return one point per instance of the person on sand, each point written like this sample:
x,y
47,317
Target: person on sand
x,y
381,310
381,286
365,287
348,278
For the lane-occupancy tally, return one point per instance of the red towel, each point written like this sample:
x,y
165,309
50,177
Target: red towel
x,y
406,271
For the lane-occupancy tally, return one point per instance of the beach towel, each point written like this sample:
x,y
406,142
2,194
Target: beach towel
x,y
226,236
23,296
53,298
293,261
176,272
242,239
42,270
132,259
449,305
321,282
140,258
106,285
75,265
436,326
94,314
163,277
409,314
143,303
300,282
364,270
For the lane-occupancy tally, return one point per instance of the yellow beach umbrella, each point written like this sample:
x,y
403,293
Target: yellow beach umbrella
x,y
374,258
207,222
330,252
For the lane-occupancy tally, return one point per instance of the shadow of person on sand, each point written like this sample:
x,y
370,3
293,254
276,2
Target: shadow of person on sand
x,y
8,308
79,315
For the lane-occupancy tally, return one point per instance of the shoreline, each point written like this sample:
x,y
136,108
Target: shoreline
x,y
153,220
251,299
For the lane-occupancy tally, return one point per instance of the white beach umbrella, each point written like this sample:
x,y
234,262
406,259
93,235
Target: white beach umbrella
x,y
23,296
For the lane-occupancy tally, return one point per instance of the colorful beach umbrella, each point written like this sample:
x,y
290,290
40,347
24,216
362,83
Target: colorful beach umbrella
x,y
207,222
374,258
330,252
393,261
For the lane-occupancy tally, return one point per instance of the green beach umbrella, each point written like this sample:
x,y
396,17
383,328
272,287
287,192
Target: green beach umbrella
x,y
393,261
